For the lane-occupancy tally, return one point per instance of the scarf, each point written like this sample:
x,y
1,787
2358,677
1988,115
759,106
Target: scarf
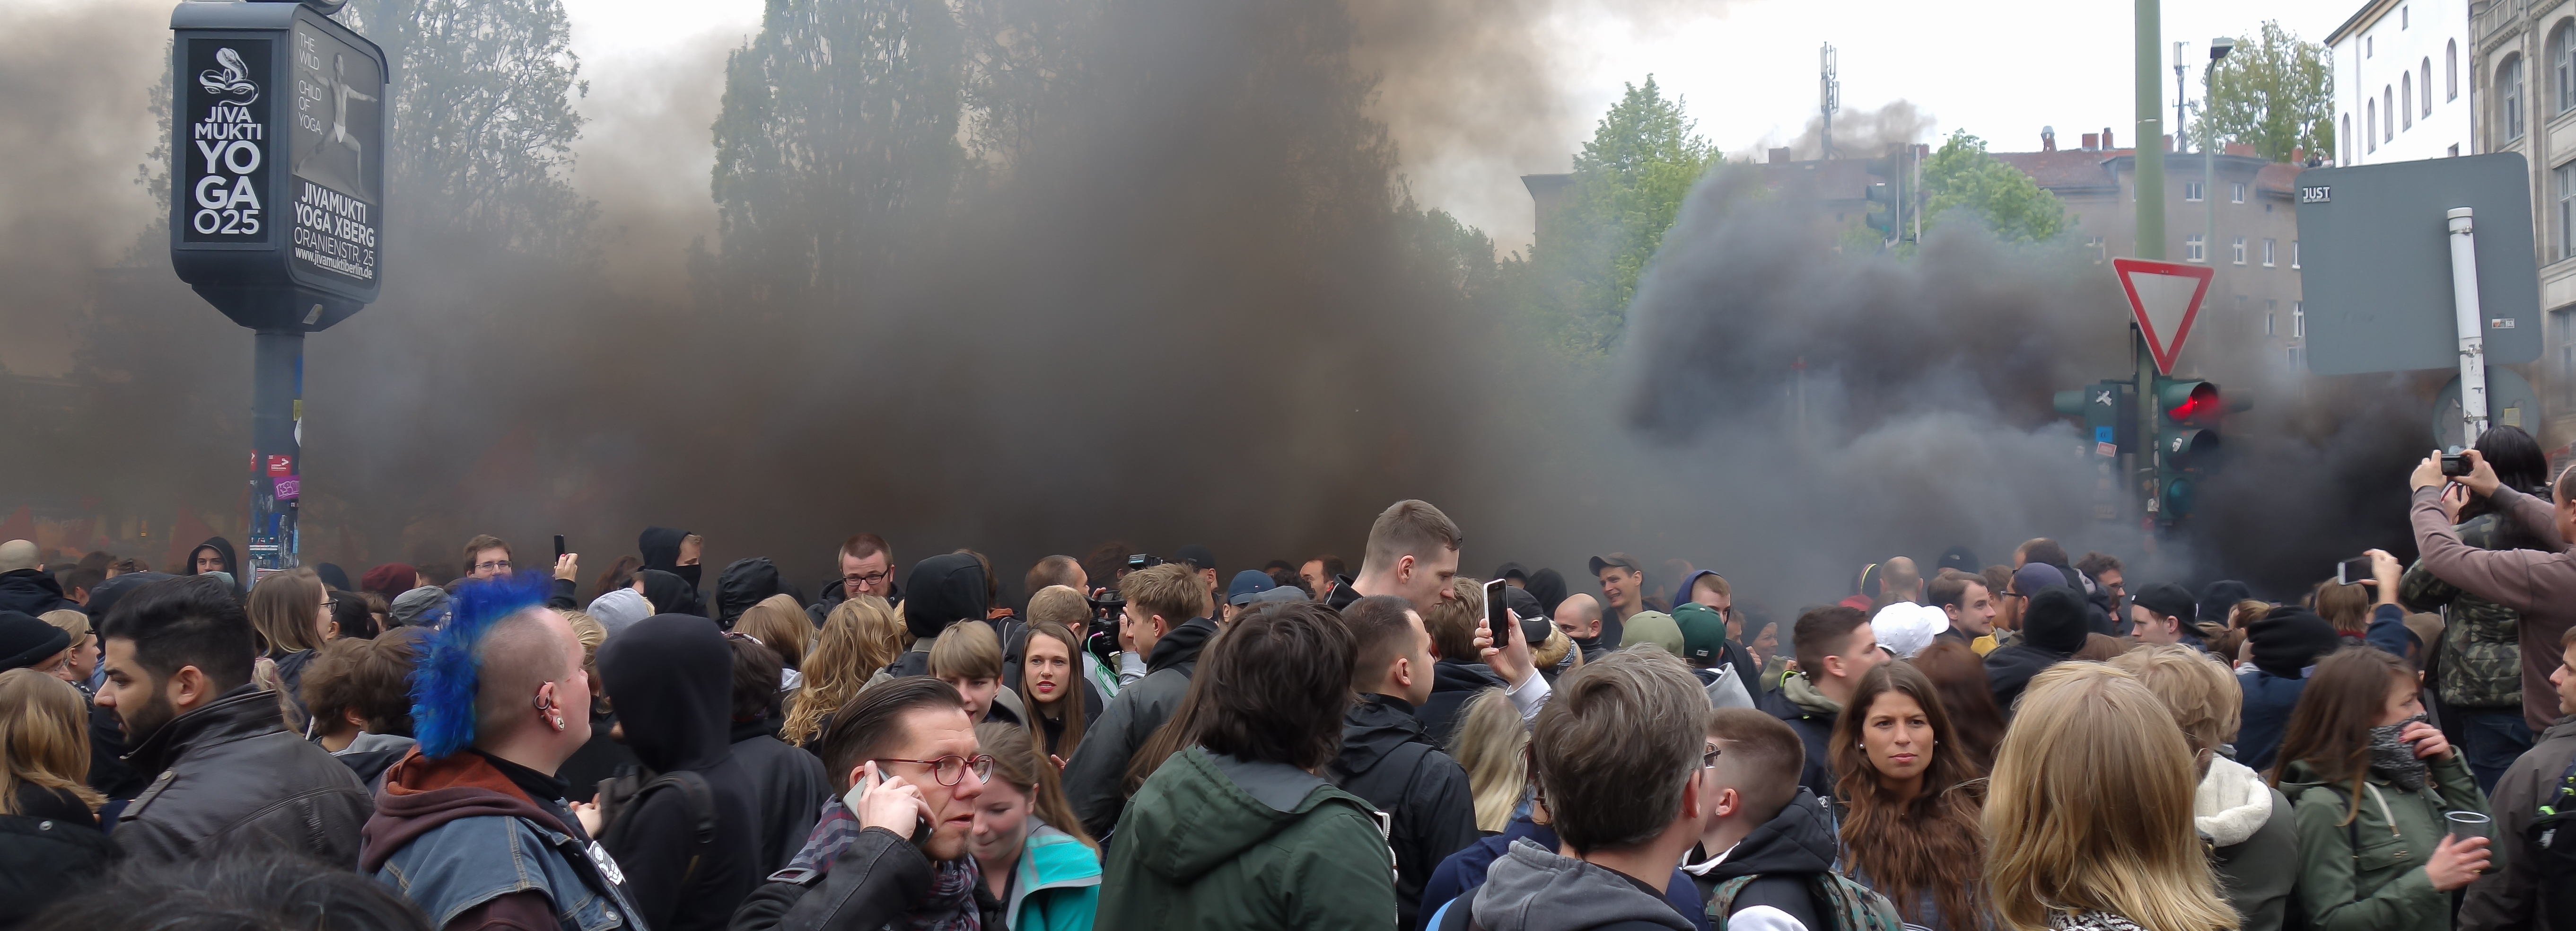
x,y
948,906
2394,758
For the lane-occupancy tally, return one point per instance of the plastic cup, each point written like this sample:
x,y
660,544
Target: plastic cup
x,y
2463,825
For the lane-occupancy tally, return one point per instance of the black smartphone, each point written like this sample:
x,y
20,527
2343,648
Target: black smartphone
x,y
560,550
1495,614
2352,571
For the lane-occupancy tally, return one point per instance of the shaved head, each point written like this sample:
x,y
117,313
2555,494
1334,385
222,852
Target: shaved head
x,y
521,652
17,554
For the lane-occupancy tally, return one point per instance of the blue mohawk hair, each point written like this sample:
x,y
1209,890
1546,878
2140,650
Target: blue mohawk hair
x,y
443,683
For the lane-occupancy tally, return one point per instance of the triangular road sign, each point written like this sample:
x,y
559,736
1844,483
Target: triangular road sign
x,y
2165,296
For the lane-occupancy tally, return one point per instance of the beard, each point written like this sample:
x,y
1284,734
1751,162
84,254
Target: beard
x,y
142,723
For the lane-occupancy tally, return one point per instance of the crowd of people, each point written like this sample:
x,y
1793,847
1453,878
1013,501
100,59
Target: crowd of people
x,y
1142,742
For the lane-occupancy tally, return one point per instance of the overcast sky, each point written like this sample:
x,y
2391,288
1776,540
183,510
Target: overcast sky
x,y
1746,68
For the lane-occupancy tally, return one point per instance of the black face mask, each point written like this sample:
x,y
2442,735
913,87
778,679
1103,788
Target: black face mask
x,y
688,573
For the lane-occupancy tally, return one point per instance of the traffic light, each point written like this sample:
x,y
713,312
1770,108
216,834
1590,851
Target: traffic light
x,y
1886,197
2110,412
2189,413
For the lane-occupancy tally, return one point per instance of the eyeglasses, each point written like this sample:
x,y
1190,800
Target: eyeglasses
x,y
495,566
739,635
1709,759
949,769
873,578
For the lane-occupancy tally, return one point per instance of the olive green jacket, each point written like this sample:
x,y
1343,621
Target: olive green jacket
x,y
2363,870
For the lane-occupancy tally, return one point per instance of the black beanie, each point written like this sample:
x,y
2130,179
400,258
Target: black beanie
x,y
2289,640
26,640
2054,620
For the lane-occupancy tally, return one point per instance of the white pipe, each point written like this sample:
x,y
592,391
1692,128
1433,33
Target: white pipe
x,y
2465,312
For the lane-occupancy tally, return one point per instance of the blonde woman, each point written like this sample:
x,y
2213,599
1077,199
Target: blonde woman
x,y
291,612
780,624
49,832
1488,745
859,638
2058,857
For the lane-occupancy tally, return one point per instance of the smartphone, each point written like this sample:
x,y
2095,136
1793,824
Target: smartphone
x,y
2352,571
921,826
1495,614
560,550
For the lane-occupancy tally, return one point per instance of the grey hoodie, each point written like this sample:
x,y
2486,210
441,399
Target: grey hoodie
x,y
1533,889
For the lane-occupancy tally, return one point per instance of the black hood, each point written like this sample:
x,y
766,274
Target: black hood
x,y
2055,619
743,584
671,678
1548,586
104,598
660,547
944,589
1373,728
220,545
1458,675
1181,646
1797,840
334,576
669,594
33,592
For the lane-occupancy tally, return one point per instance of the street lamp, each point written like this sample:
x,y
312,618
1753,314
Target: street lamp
x,y
2218,49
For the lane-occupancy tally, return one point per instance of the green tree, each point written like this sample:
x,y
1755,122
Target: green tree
x,y
2274,93
1627,186
1960,175
482,120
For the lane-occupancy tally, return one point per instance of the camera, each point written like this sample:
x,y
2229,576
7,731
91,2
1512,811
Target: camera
x,y
2455,464
1143,561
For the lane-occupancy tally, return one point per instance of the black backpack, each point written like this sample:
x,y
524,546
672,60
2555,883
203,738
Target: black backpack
x,y
621,796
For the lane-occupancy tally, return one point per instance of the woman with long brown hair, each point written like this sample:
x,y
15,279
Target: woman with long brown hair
x,y
291,612
859,638
1059,697
1911,793
2370,783
1032,851
1967,696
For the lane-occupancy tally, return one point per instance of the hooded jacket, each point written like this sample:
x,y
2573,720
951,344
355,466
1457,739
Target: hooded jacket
x,y
2508,895
222,547
793,788
370,755
670,594
1454,683
1464,872
1388,762
232,777
2254,841
671,676
1531,889
1058,883
660,547
2361,858
1786,853
1213,841
473,848
52,845
744,583
1812,715
945,589
2053,627
1095,779
31,592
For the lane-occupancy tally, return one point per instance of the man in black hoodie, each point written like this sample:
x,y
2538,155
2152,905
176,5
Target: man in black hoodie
x,y
1763,828
1095,779
215,555
945,589
2053,627
1385,757
745,582
678,553
671,677
25,589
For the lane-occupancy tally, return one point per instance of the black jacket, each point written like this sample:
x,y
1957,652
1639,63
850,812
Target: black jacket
x,y
670,594
1342,595
945,589
660,547
1454,683
1815,730
232,563
744,583
671,676
1787,852
868,886
32,592
1095,779
232,777
793,788
52,846
1386,759
2009,670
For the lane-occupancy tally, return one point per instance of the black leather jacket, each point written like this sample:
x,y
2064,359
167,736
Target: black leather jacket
x,y
232,777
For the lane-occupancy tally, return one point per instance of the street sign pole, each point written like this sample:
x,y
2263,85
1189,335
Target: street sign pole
x,y
2151,214
2464,310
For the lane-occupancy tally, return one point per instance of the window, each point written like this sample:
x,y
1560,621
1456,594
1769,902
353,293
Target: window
x,y
2269,248
2193,249
2402,17
2271,309
2346,139
2100,252
2406,105
2237,252
2566,210
2370,125
2369,46
2562,70
2428,85
2450,71
2294,253
2509,97
2298,320
2388,102
2191,191
2236,192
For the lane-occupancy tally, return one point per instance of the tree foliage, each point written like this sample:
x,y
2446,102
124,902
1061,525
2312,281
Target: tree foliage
x,y
1961,176
482,120
2273,92
1627,186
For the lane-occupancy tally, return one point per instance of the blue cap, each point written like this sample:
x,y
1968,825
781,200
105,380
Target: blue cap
x,y
1248,583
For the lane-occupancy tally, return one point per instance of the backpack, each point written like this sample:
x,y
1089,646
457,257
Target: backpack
x,y
622,796
2552,835
1847,905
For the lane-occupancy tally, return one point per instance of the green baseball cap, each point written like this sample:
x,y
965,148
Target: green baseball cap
x,y
1703,631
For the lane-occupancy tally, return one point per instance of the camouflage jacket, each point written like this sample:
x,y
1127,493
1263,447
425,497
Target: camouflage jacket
x,y
2481,661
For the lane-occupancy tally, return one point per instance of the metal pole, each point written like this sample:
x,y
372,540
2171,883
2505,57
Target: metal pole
x,y
2181,143
2465,312
2150,190
277,402
2209,205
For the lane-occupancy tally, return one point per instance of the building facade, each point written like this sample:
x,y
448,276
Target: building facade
x,y
2400,89
2525,80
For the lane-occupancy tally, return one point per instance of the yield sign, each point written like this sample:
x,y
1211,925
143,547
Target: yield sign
x,y
2165,296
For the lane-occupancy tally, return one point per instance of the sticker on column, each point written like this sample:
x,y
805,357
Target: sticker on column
x,y
280,465
289,487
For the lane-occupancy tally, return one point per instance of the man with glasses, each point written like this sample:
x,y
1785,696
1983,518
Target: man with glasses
x,y
867,568
488,557
892,850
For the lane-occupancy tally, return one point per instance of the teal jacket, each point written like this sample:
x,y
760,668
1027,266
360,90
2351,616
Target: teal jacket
x,y
1058,885
1213,842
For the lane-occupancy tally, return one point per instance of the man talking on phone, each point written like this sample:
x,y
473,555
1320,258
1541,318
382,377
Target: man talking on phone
x,y
892,850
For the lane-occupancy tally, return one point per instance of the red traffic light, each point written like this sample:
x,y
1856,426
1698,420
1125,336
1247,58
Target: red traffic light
x,y
2200,405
